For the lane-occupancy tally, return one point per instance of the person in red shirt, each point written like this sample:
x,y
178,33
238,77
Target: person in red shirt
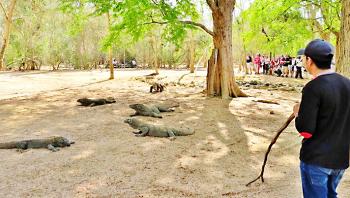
x,y
272,66
257,63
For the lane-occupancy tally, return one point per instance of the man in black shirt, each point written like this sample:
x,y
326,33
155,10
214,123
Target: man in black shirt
x,y
250,65
323,119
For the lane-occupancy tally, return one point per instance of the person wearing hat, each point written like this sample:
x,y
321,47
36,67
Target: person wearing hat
x,y
323,119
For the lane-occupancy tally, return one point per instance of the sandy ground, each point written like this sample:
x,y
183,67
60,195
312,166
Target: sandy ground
x,y
107,160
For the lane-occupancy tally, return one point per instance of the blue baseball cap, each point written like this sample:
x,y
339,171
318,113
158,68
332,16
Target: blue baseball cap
x,y
320,51
300,52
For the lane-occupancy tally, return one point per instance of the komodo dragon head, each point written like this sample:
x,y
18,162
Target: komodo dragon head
x,y
133,122
110,100
83,101
61,142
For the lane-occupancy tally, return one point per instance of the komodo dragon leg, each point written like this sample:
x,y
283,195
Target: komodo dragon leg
x,y
144,132
92,104
162,109
156,115
52,148
135,114
22,145
171,135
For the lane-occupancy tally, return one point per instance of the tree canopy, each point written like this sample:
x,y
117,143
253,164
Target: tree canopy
x,y
77,33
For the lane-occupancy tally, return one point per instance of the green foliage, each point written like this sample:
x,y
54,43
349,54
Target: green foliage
x,y
26,37
138,17
80,35
275,26
288,24
45,33
78,11
330,10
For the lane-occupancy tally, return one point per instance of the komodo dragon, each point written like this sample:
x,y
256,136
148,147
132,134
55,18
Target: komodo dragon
x,y
157,87
95,101
157,131
50,143
152,110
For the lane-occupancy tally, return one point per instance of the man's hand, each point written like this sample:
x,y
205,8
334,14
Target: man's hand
x,y
296,109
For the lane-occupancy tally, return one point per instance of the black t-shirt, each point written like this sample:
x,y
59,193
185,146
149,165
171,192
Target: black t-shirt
x,y
249,59
288,61
324,115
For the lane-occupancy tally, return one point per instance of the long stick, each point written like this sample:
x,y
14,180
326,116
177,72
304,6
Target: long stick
x,y
291,117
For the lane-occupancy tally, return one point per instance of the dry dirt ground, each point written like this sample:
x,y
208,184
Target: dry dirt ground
x,y
224,154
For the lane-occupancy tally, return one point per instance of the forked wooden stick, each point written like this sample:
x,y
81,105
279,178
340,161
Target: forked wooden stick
x,y
291,117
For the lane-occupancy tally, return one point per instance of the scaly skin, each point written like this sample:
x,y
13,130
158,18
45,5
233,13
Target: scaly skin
x,y
152,110
95,101
50,143
157,131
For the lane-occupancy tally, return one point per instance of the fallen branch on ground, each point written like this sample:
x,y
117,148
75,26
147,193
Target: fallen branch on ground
x,y
267,101
291,117
181,77
152,74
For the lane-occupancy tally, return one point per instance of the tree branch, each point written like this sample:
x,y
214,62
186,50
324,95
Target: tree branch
x,y
3,9
199,25
155,2
326,21
211,4
184,22
324,14
155,22
264,32
285,125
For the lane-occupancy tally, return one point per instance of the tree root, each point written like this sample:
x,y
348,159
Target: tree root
x,y
291,117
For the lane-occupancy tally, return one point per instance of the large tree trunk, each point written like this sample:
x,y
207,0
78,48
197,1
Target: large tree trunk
x,y
6,34
337,49
343,62
192,55
110,54
325,11
220,78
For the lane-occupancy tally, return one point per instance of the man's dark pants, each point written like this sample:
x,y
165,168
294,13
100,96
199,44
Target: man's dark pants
x,y
298,73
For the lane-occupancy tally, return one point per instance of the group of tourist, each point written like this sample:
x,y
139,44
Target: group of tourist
x,y
283,66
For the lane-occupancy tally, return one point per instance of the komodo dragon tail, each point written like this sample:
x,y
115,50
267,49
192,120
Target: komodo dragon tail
x,y
176,104
8,145
183,131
